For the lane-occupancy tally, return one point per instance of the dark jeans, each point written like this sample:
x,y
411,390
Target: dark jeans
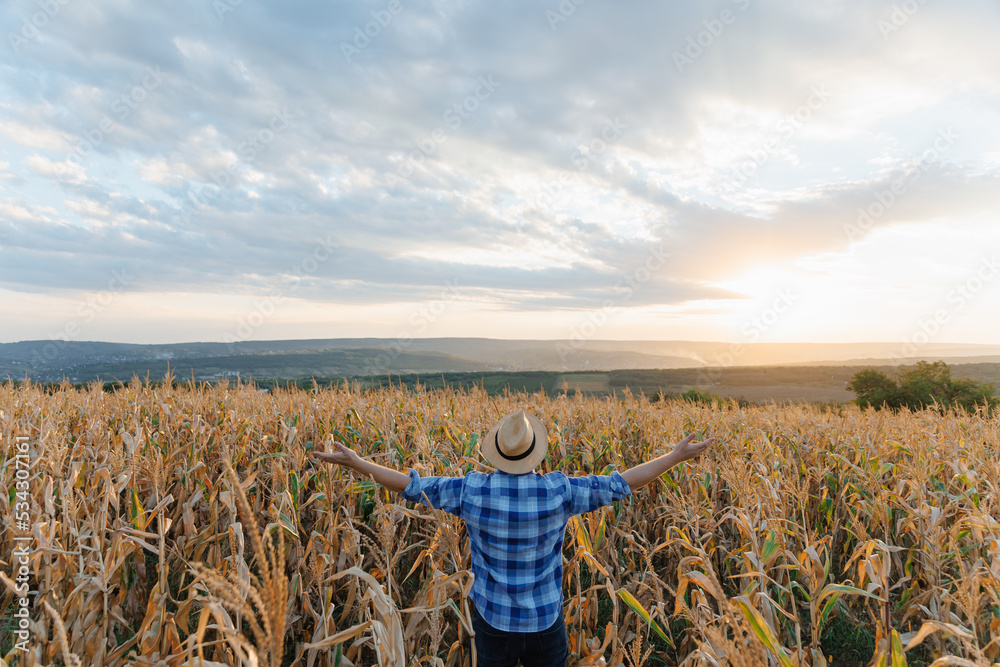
x,y
497,648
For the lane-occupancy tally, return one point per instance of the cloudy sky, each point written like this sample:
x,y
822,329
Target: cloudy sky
x,y
739,170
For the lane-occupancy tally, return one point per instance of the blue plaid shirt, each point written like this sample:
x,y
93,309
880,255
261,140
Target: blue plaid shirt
x,y
516,525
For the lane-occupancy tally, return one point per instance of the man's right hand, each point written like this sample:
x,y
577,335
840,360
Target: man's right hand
x,y
342,455
345,456
686,449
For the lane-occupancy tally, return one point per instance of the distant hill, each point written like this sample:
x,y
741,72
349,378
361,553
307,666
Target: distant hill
x,y
84,361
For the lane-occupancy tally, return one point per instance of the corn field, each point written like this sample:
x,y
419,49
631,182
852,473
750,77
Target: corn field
x,y
184,524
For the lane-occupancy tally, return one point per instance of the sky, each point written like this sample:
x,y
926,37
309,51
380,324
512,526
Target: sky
x,y
739,170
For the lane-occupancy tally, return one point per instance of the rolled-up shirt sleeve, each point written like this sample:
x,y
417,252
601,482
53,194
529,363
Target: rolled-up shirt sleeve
x,y
444,493
589,492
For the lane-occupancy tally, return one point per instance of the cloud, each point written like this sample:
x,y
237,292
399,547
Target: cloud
x,y
14,210
34,136
65,171
88,208
537,162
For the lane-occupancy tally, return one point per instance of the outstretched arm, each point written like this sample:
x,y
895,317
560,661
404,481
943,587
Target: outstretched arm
x,y
345,456
644,473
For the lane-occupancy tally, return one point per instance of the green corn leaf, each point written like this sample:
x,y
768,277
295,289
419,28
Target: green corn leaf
x,y
829,589
898,656
582,536
669,481
287,524
827,608
243,429
601,531
138,513
771,547
802,589
763,631
360,487
639,609
316,497
834,591
470,447
898,446
293,486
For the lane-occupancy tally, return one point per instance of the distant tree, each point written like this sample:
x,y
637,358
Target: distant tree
x,y
918,387
970,393
925,385
875,388
695,396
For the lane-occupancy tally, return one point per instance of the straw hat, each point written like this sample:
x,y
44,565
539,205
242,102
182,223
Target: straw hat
x,y
516,444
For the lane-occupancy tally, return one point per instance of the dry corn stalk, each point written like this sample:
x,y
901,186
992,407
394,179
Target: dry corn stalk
x,y
124,496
